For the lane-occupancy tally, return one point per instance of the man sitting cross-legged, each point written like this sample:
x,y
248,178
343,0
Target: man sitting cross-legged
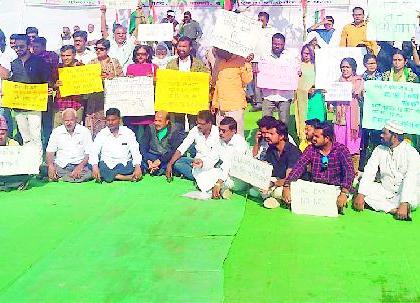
x,y
115,154
68,150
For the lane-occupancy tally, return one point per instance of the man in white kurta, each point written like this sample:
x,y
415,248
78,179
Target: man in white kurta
x,y
398,165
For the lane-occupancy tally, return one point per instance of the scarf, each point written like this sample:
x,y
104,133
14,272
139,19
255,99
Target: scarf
x,y
403,78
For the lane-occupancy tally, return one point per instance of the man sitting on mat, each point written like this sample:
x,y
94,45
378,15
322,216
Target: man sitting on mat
x,y
115,154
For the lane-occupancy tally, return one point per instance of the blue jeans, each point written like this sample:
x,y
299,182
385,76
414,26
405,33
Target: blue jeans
x,y
183,167
153,157
108,175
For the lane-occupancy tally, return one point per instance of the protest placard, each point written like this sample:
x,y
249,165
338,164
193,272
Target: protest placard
x,y
235,33
24,96
339,91
132,96
314,199
391,20
384,101
121,4
155,32
276,74
327,63
80,80
417,37
20,160
182,92
251,170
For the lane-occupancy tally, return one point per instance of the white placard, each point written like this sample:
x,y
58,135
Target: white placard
x,y
20,160
252,171
121,4
132,96
417,35
276,74
327,63
339,91
155,32
315,199
235,33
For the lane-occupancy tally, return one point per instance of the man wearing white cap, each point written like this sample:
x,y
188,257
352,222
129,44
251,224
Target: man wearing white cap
x,y
398,164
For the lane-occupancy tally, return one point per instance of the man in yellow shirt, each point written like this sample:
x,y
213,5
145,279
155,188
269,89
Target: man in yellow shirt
x,y
309,133
354,34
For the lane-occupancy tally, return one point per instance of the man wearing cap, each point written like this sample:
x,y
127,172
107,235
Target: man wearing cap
x,y
68,150
8,183
170,18
398,164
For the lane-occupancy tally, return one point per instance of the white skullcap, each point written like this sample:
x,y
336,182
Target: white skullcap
x,y
171,14
395,127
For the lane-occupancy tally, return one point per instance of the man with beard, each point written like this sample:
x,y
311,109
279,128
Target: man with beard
x,y
330,163
283,156
398,164
309,133
68,150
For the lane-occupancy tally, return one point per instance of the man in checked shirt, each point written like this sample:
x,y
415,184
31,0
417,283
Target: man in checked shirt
x,y
330,163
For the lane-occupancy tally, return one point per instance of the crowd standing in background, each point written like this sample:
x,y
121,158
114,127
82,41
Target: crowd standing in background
x,y
83,141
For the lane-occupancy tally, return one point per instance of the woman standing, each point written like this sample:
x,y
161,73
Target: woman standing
x,y
111,68
347,114
143,66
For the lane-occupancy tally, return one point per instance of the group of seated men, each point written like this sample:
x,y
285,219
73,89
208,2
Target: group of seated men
x,y
389,184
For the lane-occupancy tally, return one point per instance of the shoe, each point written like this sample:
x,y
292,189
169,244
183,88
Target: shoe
x,y
226,194
271,203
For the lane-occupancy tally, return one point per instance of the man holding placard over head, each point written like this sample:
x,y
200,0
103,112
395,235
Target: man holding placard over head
x,y
330,164
398,164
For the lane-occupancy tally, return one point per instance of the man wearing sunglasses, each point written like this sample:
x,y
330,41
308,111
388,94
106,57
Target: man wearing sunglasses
x,y
398,164
330,163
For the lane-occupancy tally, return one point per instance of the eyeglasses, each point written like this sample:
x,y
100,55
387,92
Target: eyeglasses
x,y
100,48
324,162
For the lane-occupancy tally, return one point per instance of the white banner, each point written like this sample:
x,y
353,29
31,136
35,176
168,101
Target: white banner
x,y
252,171
315,199
63,2
121,4
327,63
20,160
339,91
156,32
132,96
235,33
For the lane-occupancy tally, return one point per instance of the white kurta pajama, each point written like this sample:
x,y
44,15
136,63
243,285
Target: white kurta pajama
x,y
399,177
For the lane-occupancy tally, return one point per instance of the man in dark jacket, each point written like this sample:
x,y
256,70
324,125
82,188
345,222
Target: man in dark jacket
x,y
159,143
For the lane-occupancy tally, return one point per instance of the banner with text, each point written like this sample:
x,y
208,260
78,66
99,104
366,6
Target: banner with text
x,y
20,160
63,2
251,170
327,63
276,74
156,32
391,20
24,96
121,4
132,96
235,33
339,92
314,199
79,80
392,101
182,92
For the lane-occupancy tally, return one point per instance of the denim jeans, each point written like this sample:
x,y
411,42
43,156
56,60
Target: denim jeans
x,y
183,167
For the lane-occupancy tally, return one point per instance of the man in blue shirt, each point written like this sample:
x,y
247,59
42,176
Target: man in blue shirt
x,y
326,32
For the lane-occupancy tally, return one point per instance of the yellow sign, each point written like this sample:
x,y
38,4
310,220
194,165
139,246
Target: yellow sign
x,y
25,96
182,92
79,80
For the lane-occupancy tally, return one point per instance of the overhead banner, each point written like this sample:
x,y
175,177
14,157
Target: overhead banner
x,y
24,96
384,101
121,4
63,2
79,80
182,92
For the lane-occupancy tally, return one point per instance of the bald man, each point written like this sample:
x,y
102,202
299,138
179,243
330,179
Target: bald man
x,y
159,142
68,150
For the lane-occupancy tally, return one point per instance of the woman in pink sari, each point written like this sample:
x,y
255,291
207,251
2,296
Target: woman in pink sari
x,y
347,124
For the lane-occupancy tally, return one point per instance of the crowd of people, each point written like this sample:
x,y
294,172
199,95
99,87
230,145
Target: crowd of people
x,y
81,141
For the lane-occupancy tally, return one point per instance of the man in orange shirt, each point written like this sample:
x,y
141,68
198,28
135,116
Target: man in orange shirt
x,y
354,34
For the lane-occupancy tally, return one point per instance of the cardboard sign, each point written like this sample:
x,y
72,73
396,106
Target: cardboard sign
x,y
251,170
25,96
275,74
314,199
79,80
19,160
339,91
156,32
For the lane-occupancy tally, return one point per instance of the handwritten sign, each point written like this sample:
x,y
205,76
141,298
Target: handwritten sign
x,y
327,63
392,101
277,74
251,170
25,96
156,32
121,4
391,20
182,92
80,80
19,160
339,91
314,199
417,36
132,96
235,33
